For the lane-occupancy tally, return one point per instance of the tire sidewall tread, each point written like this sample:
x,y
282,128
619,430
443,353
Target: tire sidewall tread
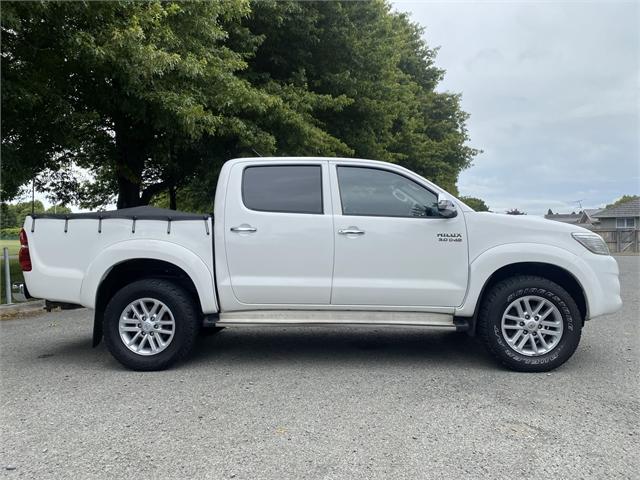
x,y
505,292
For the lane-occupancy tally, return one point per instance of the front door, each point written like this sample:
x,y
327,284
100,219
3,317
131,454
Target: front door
x,y
391,246
279,233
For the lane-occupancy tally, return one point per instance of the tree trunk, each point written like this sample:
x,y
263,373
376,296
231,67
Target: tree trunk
x,y
172,199
130,151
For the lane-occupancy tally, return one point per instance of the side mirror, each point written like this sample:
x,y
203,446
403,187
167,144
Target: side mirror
x,y
446,208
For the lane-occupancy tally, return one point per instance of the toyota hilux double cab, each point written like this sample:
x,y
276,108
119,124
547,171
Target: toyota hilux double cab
x,y
322,241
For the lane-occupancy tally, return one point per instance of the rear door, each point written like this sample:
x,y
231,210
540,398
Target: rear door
x,y
392,247
279,233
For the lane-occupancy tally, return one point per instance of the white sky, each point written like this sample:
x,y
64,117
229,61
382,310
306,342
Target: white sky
x,y
552,89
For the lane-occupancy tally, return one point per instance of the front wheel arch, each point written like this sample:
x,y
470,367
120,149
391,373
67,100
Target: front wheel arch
x,y
554,273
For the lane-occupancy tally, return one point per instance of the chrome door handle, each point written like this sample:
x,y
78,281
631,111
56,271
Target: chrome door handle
x,y
242,229
351,231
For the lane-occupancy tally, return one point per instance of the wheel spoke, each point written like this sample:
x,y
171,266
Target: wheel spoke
x,y
144,308
515,338
512,327
549,324
152,344
511,317
553,333
133,339
136,312
532,341
523,341
527,306
543,342
140,345
159,310
166,332
519,309
129,329
547,313
539,307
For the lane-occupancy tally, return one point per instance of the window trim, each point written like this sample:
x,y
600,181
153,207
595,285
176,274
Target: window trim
x,y
318,165
370,167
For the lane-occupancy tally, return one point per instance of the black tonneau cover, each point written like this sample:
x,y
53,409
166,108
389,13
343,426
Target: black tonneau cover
x,y
134,213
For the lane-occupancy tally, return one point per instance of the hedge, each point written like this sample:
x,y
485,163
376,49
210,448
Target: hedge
x,y
10,233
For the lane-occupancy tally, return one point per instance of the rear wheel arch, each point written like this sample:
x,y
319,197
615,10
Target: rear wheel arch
x,y
132,270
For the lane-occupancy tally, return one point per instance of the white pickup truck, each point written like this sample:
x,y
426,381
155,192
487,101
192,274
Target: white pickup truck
x,y
322,241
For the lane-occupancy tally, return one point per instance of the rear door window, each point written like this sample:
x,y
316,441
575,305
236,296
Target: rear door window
x,y
283,188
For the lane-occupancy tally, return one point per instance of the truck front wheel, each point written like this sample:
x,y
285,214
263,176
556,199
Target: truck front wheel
x,y
150,324
530,324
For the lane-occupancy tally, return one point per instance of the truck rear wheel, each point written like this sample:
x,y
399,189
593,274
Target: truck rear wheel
x,y
150,324
530,324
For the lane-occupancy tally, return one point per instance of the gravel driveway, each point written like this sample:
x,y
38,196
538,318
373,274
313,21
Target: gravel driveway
x,y
319,403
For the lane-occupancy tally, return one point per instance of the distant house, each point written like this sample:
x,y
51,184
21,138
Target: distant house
x,y
585,218
625,216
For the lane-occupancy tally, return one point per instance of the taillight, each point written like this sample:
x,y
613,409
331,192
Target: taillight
x,y
23,255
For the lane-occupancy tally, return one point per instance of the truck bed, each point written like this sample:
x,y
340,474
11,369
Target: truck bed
x,y
70,251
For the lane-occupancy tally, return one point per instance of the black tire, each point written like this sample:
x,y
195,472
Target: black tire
x,y
183,308
500,297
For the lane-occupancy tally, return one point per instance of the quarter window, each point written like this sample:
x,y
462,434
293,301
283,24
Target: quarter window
x,y
381,193
283,188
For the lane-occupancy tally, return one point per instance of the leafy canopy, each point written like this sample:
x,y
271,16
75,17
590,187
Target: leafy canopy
x,y
476,203
144,101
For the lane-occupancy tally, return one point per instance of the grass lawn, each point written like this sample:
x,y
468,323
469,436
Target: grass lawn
x,y
12,245
16,275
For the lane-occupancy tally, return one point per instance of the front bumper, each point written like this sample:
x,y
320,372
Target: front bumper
x,y
604,293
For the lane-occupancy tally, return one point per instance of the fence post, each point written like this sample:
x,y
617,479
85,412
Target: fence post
x,y
7,275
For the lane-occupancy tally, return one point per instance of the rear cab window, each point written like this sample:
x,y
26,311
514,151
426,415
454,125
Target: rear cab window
x,y
283,188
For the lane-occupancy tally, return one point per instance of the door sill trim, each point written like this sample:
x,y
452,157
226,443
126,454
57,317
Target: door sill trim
x,y
291,318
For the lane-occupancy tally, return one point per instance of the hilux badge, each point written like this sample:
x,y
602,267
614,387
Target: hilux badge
x,y
449,237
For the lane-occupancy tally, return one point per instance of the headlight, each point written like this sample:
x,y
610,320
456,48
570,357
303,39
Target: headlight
x,y
592,242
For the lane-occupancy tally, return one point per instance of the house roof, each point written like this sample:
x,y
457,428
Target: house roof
x,y
626,209
591,211
564,217
588,215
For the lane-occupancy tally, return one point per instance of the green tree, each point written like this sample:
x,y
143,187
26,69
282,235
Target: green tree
x,y
146,100
515,211
58,209
476,203
8,217
623,199
377,61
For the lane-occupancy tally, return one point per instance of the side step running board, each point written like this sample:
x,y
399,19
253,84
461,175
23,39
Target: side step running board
x,y
332,318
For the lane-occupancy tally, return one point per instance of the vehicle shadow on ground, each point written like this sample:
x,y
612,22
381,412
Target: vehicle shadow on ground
x,y
326,347
279,346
